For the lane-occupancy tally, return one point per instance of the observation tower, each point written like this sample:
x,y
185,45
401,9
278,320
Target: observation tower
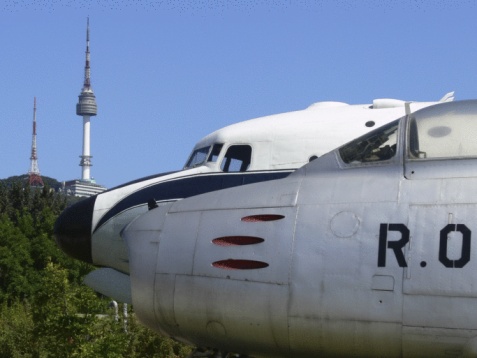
x,y
86,107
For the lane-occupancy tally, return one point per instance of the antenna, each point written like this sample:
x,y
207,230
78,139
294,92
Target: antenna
x,y
34,172
87,69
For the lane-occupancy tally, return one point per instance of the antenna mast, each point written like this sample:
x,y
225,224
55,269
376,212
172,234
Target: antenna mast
x,y
34,172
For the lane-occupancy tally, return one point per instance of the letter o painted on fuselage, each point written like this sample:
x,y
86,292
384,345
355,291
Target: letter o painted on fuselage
x,y
443,242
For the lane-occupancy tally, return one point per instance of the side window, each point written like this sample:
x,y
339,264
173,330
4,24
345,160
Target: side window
x,y
237,158
214,153
378,145
450,136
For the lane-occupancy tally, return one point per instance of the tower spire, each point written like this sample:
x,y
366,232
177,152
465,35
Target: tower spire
x,y
86,107
34,172
87,70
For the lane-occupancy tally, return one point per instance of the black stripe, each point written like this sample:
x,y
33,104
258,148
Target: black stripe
x,y
184,187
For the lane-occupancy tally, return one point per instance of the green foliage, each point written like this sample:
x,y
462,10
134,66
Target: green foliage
x,y
27,218
45,310
15,261
16,331
145,343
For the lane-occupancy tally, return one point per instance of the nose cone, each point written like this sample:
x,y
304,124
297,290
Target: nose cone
x,y
73,230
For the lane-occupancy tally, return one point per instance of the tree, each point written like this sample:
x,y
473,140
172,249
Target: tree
x,y
17,331
15,261
45,310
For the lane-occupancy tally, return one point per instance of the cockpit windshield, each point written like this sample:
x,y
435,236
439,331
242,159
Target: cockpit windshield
x,y
198,157
375,146
202,155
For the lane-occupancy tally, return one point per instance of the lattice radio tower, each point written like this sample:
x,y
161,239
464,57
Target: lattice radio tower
x,y
34,172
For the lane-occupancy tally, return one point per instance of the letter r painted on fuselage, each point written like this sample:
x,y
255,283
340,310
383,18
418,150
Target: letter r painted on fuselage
x,y
396,246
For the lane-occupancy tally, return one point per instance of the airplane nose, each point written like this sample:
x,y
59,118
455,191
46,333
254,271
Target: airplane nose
x,y
73,230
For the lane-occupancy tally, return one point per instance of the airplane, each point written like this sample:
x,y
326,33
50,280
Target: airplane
x,y
366,251
260,149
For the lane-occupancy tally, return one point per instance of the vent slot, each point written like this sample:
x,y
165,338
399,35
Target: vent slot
x,y
231,264
262,218
237,240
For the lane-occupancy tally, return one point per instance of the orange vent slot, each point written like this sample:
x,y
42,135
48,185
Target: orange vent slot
x,y
231,264
262,217
237,240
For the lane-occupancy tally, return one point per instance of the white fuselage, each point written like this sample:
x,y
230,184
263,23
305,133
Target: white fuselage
x,y
278,145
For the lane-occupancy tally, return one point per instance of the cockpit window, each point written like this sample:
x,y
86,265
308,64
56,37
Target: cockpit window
x,y
214,153
378,145
237,158
449,135
198,157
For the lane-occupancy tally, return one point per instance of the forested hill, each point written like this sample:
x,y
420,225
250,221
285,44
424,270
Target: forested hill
x,y
50,182
45,310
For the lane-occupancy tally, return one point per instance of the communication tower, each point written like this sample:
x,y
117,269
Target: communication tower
x,y
34,172
86,107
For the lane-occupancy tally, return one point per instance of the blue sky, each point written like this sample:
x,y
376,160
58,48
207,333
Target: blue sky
x,y
166,73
